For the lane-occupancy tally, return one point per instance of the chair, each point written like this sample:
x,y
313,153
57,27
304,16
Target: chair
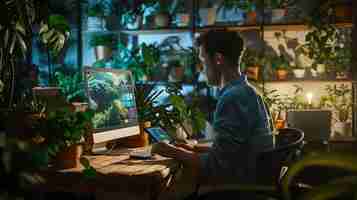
x,y
272,165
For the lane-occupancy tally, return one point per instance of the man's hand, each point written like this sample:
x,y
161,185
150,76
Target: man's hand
x,y
186,146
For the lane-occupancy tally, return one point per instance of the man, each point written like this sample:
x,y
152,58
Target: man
x,y
240,121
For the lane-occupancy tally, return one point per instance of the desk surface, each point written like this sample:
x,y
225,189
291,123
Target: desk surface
x,y
116,173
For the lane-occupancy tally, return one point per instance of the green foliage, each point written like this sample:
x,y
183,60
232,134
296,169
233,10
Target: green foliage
x,y
108,40
71,86
63,127
55,34
98,9
17,26
321,44
328,190
246,5
280,62
339,98
140,60
251,58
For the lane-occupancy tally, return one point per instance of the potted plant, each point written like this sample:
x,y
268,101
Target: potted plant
x,y
162,15
280,64
321,47
133,12
96,15
340,100
182,17
342,63
102,44
177,71
21,24
63,132
278,10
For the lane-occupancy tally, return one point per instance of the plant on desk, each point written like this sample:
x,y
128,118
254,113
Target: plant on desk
x,y
63,131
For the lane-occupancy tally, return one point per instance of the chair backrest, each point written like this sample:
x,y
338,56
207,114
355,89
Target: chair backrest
x,y
288,148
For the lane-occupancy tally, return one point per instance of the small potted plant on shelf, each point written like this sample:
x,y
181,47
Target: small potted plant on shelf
x,y
299,72
103,45
339,98
281,65
162,16
321,47
96,15
133,12
182,17
278,10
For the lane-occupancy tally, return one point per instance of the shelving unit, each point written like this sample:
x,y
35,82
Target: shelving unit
x,y
84,57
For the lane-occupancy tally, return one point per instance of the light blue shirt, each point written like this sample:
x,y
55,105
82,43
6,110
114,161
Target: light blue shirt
x,y
241,123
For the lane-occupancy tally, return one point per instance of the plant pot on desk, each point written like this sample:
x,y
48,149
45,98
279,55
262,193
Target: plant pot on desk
x,y
69,157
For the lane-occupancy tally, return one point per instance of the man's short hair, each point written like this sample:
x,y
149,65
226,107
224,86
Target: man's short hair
x,y
228,43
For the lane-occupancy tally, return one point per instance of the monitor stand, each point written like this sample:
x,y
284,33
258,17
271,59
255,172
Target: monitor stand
x,y
101,148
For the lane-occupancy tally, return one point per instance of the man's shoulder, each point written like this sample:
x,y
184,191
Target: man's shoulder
x,y
241,91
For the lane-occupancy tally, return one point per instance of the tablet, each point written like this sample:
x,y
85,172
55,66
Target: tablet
x,y
157,134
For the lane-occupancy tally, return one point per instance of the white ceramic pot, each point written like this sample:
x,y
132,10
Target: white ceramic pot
x,y
321,68
299,73
342,129
136,24
313,72
277,15
102,52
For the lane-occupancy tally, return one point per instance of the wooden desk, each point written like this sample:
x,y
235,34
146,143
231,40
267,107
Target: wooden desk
x,y
118,177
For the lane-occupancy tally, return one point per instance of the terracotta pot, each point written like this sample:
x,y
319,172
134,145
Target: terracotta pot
x,y
79,106
251,17
343,11
279,124
69,157
46,91
281,74
253,72
162,20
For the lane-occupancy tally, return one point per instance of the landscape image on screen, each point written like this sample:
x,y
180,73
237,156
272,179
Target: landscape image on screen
x,y
111,95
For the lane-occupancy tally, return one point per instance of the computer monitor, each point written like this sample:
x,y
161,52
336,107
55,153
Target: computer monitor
x,y
111,95
316,124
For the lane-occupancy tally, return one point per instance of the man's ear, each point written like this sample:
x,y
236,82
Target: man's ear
x,y
218,58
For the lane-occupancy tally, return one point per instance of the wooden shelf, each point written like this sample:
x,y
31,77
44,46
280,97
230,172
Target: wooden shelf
x,y
308,80
157,31
270,27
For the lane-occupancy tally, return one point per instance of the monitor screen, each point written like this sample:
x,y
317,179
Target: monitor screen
x,y
111,95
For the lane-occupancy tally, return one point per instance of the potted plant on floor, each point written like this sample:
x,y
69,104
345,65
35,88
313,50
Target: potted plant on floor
x,y
340,100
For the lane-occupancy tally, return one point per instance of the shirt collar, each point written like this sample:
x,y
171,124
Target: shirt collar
x,y
241,80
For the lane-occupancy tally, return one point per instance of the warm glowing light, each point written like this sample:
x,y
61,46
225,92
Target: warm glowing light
x,y
309,96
